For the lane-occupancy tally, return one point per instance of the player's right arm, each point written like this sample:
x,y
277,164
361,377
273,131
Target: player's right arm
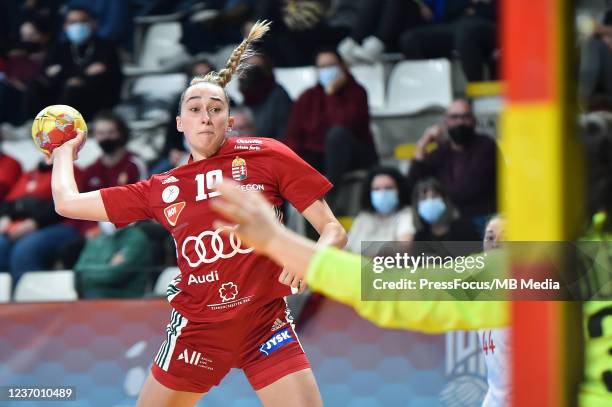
x,y
337,274
69,202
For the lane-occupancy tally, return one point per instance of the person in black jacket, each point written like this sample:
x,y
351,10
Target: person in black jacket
x,y
82,72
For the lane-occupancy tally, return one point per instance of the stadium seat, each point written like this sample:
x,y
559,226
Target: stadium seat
x,y
296,80
46,286
5,287
161,87
416,86
372,78
160,43
164,279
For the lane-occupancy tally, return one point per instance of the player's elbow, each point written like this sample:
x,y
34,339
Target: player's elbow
x,y
62,209
66,208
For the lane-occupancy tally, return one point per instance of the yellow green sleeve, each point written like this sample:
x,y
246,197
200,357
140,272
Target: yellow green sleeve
x,y
337,275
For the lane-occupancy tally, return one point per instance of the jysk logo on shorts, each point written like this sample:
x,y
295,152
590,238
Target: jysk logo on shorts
x,y
276,341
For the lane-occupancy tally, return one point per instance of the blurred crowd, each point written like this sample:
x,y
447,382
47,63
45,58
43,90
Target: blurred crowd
x,y
72,52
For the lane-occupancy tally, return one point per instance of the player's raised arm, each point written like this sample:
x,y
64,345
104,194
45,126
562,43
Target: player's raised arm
x,y
69,202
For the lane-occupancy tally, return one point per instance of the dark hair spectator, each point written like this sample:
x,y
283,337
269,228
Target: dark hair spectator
x,y
83,72
385,213
329,126
113,19
465,163
268,101
23,63
436,218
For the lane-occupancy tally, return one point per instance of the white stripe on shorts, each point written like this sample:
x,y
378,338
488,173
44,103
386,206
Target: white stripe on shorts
x,y
173,331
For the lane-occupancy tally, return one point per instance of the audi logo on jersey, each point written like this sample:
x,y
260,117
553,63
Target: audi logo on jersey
x,y
215,250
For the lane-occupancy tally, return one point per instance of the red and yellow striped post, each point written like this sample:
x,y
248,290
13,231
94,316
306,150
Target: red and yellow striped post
x,y
540,185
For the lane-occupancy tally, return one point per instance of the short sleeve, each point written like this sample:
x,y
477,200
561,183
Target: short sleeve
x,y
128,203
298,182
405,226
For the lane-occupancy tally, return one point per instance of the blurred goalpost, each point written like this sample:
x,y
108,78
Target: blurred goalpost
x,y
541,188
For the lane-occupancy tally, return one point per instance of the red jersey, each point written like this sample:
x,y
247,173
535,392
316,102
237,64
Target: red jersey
x,y
128,170
219,276
10,171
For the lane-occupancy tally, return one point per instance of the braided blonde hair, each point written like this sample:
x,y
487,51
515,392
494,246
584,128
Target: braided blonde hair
x,y
236,62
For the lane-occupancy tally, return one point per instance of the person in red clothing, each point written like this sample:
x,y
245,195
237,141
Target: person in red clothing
x,y
329,126
10,171
228,305
30,230
116,165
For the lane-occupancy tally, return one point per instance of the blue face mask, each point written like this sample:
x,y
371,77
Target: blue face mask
x,y
431,209
78,33
384,200
327,74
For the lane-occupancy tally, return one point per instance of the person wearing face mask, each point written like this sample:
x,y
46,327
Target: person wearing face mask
x,y
329,126
269,101
384,215
436,218
82,70
464,163
116,165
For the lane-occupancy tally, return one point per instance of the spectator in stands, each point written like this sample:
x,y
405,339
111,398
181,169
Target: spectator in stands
x,y
377,28
10,171
465,26
30,230
244,125
268,101
464,164
84,73
23,63
174,151
300,29
207,26
113,18
435,216
595,80
329,126
385,213
117,165
116,264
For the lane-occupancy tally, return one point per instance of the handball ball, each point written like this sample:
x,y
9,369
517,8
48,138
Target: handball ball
x,y
55,125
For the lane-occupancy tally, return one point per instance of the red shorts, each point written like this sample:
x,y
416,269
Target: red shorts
x,y
196,356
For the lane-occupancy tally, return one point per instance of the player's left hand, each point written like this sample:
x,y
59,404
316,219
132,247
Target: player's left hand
x,y
291,279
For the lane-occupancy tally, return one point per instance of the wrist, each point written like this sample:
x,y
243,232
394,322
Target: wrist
x,y
275,242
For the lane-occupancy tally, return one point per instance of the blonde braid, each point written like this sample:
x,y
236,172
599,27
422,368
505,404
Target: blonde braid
x,y
235,63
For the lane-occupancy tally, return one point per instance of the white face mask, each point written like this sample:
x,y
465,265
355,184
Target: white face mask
x,y
107,228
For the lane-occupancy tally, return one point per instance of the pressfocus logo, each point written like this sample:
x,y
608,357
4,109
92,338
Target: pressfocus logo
x,y
209,247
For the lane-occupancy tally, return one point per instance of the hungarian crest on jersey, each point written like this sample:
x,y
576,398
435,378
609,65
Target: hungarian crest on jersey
x,y
239,169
